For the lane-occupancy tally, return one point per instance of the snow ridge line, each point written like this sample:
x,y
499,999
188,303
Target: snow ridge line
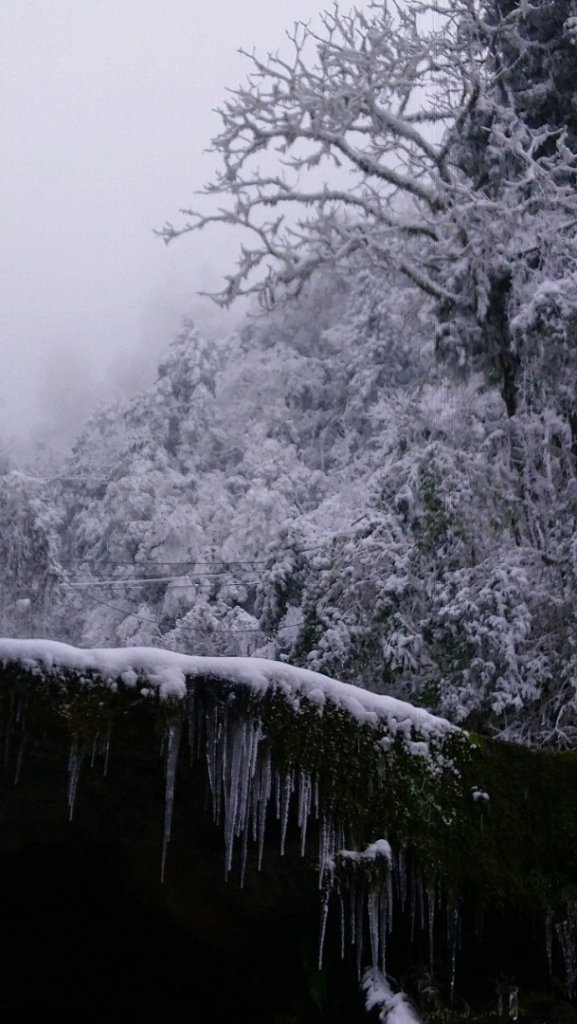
x,y
166,672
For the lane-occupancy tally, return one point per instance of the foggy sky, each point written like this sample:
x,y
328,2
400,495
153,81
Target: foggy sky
x,y
106,107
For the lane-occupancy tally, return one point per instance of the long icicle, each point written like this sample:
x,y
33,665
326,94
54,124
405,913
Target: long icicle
x,y
172,749
286,793
265,790
323,927
74,766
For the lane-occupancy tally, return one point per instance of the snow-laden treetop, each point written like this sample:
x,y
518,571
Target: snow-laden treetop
x,y
167,672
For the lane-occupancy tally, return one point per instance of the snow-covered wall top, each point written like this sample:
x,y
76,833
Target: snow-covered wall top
x,y
167,672
349,766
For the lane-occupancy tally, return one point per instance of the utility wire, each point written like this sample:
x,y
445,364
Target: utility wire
x,y
191,561
194,561
144,581
199,630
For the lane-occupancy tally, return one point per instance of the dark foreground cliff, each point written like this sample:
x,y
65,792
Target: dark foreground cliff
x,y
481,890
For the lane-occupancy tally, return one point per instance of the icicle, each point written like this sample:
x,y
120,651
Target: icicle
x,y
213,729
326,849
453,928
232,790
265,789
172,749
243,741
353,911
323,927
244,857
304,808
389,899
513,1002
74,765
333,835
342,924
316,800
568,954
373,908
223,753
339,839
20,758
277,794
323,843
385,914
249,773
566,935
107,751
287,789
94,749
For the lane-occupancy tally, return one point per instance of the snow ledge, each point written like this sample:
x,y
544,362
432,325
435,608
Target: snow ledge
x,y
168,674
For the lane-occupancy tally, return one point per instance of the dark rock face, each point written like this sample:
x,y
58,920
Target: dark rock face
x,y
76,946
88,933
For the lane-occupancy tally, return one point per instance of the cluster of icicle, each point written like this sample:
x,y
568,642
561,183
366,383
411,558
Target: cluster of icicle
x,y
566,933
368,886
245,786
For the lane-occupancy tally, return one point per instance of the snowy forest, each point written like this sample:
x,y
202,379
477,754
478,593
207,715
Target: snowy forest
x,y
375,476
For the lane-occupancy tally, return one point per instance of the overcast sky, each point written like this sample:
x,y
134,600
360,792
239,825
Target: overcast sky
x,y
106,107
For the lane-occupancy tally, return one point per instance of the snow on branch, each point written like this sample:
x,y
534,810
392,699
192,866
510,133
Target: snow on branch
x,y
355,97
390,138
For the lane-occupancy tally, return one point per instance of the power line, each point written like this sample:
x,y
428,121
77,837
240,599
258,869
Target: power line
x,y
198,630
147,561
194,561
144,581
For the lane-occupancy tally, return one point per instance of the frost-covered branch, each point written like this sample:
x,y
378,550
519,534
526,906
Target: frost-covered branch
x,y
406,149
358,99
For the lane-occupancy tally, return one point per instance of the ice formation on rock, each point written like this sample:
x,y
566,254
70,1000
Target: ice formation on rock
x,y
208,701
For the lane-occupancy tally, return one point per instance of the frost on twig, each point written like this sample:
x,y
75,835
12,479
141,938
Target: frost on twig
x,y
392,138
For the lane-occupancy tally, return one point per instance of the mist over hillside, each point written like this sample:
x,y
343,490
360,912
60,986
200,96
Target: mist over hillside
x,y
313,488
375,477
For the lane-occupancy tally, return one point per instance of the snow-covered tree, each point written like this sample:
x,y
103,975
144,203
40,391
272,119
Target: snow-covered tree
x,y
516,147
537,50
398,137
